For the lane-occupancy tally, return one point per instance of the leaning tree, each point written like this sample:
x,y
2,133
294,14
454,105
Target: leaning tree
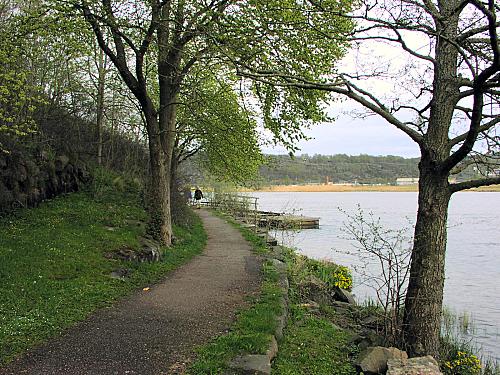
x,y
162,40
444,58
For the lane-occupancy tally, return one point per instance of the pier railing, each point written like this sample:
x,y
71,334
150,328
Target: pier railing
x,y
245,209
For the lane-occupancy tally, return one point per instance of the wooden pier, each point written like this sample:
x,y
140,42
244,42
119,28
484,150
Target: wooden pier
x,y
244,208
287,221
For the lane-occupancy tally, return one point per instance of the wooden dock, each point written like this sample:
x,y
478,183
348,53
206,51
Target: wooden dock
x,y
244,208
286,221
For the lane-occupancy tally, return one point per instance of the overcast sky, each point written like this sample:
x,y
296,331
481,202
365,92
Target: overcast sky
x,y
371,135
352,136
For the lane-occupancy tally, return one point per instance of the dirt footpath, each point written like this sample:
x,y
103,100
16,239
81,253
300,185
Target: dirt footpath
x,y
155,332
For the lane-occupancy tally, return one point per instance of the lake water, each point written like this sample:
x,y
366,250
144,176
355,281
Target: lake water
x,y
473,256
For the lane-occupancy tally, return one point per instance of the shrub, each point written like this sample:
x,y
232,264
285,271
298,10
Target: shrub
x,y
462,363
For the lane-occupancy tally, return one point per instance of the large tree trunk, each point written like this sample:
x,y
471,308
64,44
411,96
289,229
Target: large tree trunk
x,y
158,198
100,102
424,298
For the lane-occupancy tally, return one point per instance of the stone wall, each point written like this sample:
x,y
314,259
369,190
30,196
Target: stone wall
x,y
27,178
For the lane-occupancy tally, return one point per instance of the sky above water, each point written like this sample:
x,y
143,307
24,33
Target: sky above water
x,y
353,136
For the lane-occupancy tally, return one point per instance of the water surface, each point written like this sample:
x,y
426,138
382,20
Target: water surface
x,y
473,255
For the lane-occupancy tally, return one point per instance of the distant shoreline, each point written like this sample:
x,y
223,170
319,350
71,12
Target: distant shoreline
x,y
353,188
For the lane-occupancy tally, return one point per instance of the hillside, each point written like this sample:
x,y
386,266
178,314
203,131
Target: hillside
x,y
282,169
362,169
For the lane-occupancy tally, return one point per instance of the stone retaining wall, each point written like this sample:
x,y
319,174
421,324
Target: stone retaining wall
x,y
27,179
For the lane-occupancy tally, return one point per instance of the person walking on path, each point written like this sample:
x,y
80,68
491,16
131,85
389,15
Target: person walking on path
x,y
198,195
155,332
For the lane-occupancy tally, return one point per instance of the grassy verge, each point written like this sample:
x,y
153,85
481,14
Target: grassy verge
x,y
53,266
253,328
314,341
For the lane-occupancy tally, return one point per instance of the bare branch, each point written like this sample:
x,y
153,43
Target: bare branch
x,y
474,184
482,128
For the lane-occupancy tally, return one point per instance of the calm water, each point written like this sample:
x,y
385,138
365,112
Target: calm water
x,y
473,256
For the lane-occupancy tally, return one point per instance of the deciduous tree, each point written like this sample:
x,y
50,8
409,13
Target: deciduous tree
x,y
446,99
167,38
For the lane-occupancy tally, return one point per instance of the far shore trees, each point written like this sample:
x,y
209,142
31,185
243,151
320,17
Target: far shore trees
x,y
445,97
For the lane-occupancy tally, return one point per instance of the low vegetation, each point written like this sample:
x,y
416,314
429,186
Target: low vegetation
x,y
55,267
317,338
253,328
313,344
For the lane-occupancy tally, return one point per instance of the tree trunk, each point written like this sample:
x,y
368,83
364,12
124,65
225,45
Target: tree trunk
x,y
424,297
158,200
100,103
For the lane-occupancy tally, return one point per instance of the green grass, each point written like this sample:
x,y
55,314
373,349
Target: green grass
x,y
313,345
253,328
53,268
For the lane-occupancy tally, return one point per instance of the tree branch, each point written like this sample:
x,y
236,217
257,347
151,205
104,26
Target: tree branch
x,y
474,184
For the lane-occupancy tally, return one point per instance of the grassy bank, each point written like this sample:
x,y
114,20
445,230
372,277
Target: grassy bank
x,y
254,325
323,336
354,188
312,343
55,266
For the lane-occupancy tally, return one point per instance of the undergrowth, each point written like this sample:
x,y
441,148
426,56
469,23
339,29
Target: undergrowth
x,y
54,268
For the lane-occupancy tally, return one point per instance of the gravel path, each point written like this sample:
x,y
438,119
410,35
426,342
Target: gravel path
x,y
155,332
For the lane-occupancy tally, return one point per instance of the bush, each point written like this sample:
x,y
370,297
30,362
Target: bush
x,y
462,363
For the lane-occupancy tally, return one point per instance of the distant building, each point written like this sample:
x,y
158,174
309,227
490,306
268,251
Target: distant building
x,y
407,181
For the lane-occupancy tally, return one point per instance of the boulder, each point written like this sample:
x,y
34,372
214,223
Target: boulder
x,y
120,273
414,366
125,253
150,251
20,173
316,290
273,349
61,162
366,338
343,295
280,266
373,360
253,364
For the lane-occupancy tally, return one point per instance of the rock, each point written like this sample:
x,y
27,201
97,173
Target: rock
x,y
149,254
124,253
311,305
374,359
151,250
280,266
280,326
369,338
69,169
413,366
20,173
316,290
283,282
343,295
372,321
253,364
61,162
273,349
120,273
